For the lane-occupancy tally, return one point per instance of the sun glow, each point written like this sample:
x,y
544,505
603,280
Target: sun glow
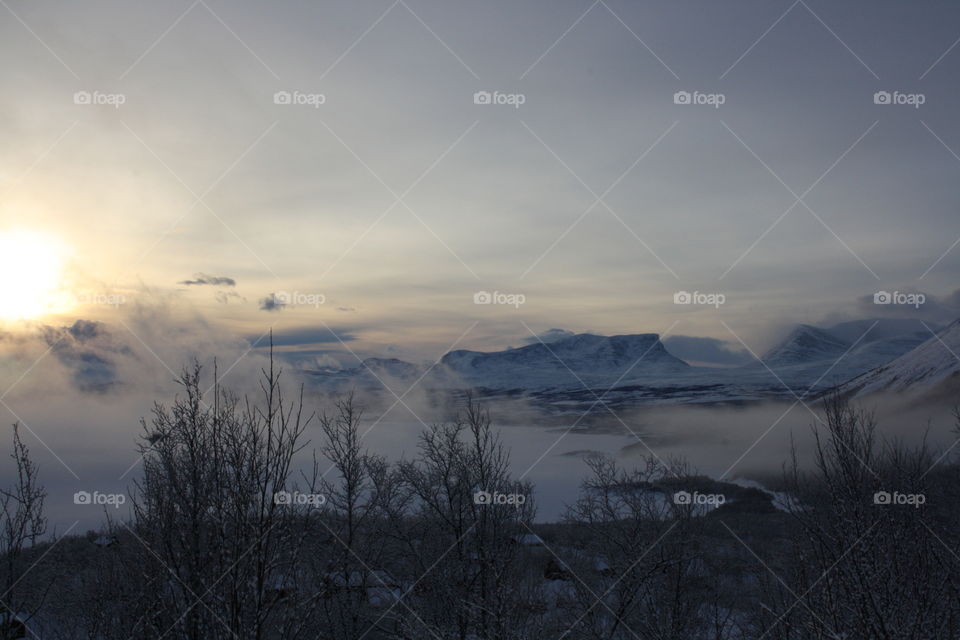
x,y
31,271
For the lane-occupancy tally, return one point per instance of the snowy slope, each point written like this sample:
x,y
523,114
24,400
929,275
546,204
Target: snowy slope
x,y
935,361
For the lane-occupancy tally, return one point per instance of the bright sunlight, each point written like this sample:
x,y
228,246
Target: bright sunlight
x,y
31,266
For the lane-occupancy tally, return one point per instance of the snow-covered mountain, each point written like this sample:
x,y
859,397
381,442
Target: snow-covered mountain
x,y
932,363
572,372
812,358
581,359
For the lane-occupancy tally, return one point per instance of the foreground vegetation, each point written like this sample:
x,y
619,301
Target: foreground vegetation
x,y
230,538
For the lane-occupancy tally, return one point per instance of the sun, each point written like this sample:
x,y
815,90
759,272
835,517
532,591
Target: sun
x,y
31,273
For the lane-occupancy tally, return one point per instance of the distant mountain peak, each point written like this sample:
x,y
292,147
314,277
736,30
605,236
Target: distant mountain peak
x,y
805,343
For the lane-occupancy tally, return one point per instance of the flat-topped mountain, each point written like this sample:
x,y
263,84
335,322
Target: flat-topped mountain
x,y
591,358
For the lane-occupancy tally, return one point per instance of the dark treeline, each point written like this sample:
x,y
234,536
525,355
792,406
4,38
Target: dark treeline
x,y
230,537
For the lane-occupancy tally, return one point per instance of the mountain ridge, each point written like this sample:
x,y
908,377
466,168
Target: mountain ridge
x,y
631,369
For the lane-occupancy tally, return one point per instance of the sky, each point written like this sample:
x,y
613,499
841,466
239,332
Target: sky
x,y
400,178
325,170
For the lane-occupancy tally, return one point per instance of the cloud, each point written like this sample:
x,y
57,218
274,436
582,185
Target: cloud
x,y
709,351
141,353
224,297
272,303
203,278
548,336
941,309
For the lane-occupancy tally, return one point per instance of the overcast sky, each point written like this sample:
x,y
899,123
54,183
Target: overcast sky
x,y
383,198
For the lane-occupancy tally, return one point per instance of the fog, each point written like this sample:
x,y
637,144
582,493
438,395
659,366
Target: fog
x,y
87,441
728,443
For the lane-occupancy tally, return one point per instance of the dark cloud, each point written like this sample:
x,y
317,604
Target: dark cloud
x,y
203,278
136,355
83,330
88,351
303,336
698,350
272,303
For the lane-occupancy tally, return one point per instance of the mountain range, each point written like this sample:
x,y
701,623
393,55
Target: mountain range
x,y
859,357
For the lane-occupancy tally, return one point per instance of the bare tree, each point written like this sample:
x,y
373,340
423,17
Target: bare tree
x,y
353,562
466,539
871,561
634,564
22,524
224,549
